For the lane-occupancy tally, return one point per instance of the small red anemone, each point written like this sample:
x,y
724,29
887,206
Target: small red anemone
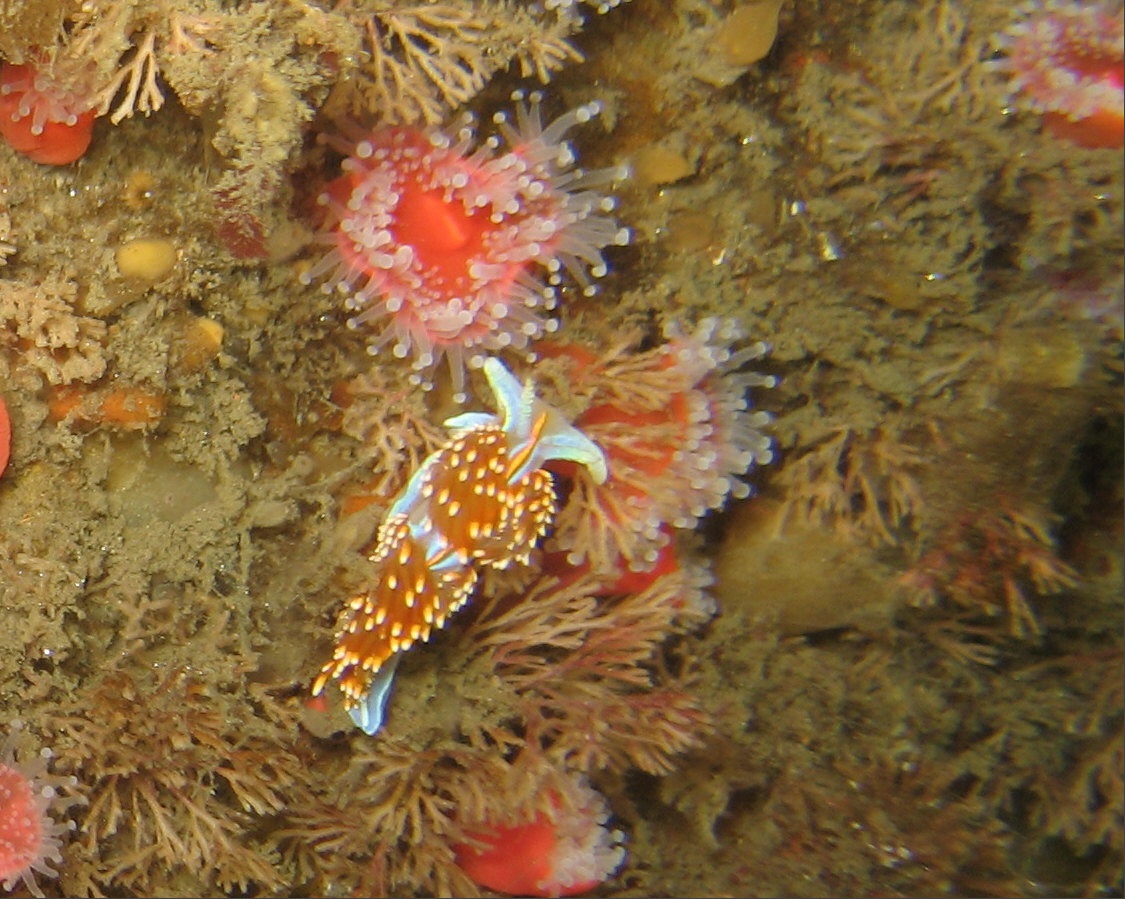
x,y
39,119
1066,61
566,857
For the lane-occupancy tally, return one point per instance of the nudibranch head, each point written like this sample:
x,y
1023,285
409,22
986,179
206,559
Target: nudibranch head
x,y
536,431
481,499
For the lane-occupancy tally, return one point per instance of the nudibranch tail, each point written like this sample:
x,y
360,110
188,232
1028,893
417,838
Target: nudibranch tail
x,y
483,498
371,708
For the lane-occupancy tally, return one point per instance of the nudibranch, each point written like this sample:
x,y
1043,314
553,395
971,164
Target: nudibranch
x,y
481,499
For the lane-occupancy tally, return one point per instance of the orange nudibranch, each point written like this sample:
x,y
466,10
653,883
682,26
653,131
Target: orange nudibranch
x,y
482,499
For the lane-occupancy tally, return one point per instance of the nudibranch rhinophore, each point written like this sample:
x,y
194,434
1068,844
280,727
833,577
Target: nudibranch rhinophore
x,y
482,499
